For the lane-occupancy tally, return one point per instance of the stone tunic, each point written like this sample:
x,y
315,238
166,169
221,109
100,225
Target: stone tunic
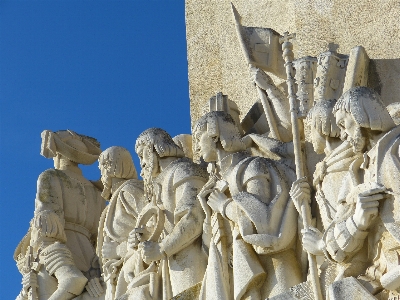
x,y
68,199
177,187
118,220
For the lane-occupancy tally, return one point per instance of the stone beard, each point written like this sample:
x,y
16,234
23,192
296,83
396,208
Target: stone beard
x,y
277,199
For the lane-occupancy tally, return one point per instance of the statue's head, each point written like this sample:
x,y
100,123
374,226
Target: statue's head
x,y
69,146
151,145
214,130
321,124
115,162
361,115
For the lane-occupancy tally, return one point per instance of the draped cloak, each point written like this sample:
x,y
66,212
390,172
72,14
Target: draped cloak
x,y
266,229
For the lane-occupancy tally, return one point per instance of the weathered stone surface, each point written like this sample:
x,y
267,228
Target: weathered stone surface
x,y
301,199
216,62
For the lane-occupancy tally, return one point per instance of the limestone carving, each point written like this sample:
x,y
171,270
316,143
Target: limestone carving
x,y
362,235
173,257
126,195
301,199
57,257
252,193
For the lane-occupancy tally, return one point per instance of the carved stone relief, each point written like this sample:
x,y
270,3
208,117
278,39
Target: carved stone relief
x,y
298,199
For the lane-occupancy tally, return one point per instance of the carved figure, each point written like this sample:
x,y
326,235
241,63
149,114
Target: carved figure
x,y
365,229
172,183
322,131
252,193
279,113
63,232
126,196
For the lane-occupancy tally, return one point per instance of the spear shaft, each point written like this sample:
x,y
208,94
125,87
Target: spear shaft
x,y
305,209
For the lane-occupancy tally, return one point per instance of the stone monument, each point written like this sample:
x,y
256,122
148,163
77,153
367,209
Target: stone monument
x,y
295,113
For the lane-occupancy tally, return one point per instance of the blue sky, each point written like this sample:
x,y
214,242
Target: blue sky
x,y
107,69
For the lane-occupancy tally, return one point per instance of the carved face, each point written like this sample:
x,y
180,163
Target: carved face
x,y
350,130
206,146
148,162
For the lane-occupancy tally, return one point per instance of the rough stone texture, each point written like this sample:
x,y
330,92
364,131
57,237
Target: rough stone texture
x,y
216,62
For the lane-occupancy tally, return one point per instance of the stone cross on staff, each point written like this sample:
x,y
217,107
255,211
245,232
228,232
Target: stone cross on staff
x,y
288,56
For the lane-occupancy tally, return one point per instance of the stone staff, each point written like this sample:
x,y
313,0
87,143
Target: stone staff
x,y
305,212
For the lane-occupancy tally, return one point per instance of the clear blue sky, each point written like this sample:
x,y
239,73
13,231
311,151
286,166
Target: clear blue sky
x,y
108,69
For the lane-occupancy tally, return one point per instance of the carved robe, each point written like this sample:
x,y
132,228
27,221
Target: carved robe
x,y
67,214
329,172
377,248
264,230
175,189
118,220
178,185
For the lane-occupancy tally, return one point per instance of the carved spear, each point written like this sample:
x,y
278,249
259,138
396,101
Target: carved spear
x,y
288,56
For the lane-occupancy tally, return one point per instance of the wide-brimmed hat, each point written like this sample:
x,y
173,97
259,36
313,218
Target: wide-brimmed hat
x,y
77,148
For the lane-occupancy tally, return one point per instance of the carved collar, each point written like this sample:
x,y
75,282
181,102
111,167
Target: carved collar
x,y
116,185
231,160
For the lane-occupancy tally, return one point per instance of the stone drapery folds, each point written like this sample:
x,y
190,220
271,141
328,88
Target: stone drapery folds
x,y
239,230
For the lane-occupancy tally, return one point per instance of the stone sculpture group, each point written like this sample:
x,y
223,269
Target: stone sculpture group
x,y
308,207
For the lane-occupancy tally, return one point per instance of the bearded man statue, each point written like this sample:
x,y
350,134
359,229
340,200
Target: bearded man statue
x,y
172,182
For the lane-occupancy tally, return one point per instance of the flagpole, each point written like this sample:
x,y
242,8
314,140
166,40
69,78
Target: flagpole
x,y
305,209
264,100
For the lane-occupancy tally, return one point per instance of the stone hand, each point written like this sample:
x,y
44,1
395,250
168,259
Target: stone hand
x,y
300,193
313,241
109,249
216,201
95,287
367,202
260,78
151,251
202,198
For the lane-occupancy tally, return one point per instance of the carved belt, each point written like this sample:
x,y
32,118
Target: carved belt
x,y
77,228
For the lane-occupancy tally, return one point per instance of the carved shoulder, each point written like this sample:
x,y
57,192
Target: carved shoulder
x,y
187,170
48,185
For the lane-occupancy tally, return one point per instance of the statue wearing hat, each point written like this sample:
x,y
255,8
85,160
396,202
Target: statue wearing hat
x,y
57,257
